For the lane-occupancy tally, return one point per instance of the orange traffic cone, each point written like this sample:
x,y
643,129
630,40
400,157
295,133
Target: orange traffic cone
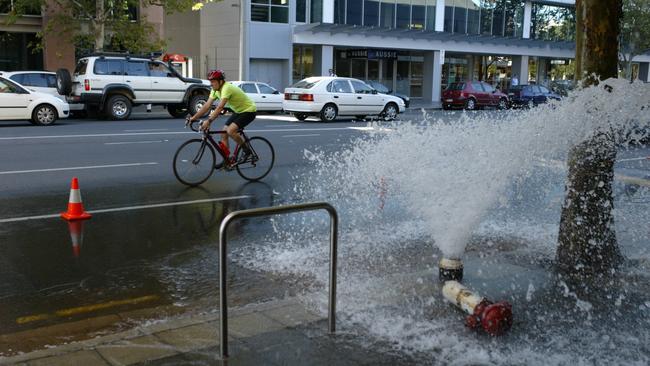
x,y
77,236
75,207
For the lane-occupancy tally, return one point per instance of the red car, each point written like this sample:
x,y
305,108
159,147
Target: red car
x,y
473,95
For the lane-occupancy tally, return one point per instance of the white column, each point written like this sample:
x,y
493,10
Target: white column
x,y
440,15
520,67
528,11
328,11
644,71
326,59
432,82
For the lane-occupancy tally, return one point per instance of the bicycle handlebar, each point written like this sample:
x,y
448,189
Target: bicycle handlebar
x,y
191,124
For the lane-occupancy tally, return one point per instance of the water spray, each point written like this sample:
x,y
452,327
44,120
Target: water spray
x,y
494,318
450,269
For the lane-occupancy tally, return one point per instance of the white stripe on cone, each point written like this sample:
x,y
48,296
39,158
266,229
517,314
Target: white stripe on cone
x,y
75,196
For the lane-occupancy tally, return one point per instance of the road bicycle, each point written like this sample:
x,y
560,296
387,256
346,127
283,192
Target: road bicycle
x,y
196,160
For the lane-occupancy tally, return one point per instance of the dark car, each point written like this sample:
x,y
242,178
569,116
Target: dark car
x,y
381,88
562,87
472,95
530,95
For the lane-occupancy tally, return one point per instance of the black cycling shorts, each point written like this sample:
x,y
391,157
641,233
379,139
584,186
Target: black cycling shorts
x,y
241,119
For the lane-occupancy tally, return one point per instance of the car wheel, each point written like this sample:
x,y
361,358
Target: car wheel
x,y
390,112
118,107
63,82
503,104
300,116
530,104
44,115
470,104
329,113
197,102
177,111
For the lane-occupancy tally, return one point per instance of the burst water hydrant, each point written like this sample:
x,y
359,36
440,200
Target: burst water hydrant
x,y
450,269
494,318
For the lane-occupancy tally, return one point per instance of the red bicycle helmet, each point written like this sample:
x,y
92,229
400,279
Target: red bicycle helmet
x,y
216,75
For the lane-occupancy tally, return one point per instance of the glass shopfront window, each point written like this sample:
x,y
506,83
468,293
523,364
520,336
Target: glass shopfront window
x,y
16,53
407,14
553,23
402,71
303,62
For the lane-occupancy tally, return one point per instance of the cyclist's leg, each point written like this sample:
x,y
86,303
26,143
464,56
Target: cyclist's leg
x,y
239,121
229,122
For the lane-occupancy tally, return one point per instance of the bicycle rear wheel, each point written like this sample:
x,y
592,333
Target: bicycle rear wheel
x,y
194,162
259,164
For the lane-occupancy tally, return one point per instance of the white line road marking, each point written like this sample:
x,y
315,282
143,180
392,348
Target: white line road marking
x,y
311,135
76,168
175,133
134,142
634,159
148,130
129,208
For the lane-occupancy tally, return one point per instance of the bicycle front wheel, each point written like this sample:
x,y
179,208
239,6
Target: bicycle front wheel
x,y
259,164
194,162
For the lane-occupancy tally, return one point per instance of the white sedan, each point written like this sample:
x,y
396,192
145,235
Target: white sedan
x,y
40,82
329,97
266,98
17,102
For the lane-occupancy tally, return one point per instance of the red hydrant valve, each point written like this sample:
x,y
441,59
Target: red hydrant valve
x,y
494,318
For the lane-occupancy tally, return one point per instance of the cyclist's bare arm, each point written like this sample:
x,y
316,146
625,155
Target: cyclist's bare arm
x,y
214,114
203,110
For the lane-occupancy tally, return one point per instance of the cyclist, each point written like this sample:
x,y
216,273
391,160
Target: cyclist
x,y
244,110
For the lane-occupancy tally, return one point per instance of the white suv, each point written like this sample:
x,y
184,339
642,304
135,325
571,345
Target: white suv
x,y
115,84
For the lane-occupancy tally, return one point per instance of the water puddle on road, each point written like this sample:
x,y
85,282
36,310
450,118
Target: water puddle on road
x,y
54,272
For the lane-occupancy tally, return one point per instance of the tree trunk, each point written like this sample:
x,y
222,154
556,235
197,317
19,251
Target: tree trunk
x,y
587,239
98,25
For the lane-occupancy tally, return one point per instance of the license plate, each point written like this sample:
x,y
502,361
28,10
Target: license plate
x,y
295,97
449,100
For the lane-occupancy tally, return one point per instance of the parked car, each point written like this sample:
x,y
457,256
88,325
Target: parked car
x,y
17,102
265,97
41,82
562,87
329,97
385,90
473,95
116,83
530,95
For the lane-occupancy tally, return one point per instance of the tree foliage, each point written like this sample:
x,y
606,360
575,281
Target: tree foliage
x,y
102,25
635,32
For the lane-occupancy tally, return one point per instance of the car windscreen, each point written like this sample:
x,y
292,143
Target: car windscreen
x,y
379,87
516,88
456,86
305,84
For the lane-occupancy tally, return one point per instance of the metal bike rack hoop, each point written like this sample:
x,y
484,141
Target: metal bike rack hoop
x,y
267,211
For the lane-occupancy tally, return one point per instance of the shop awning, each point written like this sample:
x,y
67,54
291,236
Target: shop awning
x,y
355,36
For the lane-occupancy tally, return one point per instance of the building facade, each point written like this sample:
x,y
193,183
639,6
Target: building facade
x,y
16,40
416,47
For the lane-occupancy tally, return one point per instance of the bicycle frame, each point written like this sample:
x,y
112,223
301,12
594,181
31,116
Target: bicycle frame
x,y
207,137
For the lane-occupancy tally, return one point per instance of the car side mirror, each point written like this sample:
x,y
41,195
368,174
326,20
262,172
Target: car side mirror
x,y
276,92
374,91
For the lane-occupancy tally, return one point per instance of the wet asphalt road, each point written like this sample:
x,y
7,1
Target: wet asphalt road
x,y
148,249
135,255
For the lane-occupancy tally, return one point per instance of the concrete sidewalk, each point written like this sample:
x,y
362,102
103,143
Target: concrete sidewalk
x,y
274,333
